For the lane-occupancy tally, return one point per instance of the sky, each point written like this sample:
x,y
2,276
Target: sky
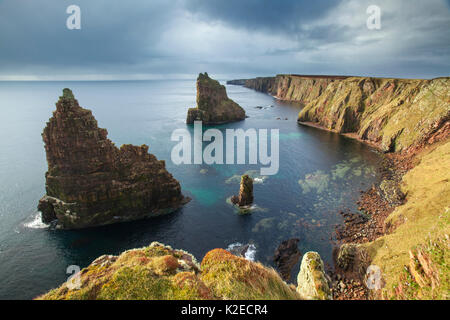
x,y
160,39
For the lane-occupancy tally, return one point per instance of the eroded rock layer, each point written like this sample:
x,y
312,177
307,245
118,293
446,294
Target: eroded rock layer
x,y
91,182
213,104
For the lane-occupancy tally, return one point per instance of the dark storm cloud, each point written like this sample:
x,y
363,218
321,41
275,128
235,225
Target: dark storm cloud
x,y
113,34
140,38
279,15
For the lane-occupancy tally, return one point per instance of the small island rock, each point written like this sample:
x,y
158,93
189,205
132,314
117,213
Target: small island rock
x,y
245,197
213,104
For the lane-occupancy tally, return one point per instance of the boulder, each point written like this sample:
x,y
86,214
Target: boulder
x,y
312,281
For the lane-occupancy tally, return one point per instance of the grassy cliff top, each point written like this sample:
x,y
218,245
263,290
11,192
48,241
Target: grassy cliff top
x,y
160,272
424,225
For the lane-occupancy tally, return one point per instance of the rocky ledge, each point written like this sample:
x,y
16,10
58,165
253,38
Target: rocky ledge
x,y
91,182
213,104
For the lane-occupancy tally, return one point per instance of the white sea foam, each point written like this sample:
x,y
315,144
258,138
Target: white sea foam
x,y
35,222
250,254
258,180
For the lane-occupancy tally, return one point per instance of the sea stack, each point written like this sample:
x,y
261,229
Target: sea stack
x,y
245,192
91,182
213,104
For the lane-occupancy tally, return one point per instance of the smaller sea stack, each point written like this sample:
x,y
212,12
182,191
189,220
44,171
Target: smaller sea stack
x,y
213,104
245,197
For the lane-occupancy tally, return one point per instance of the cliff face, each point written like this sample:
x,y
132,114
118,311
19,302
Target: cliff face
x,y
393,114
266,84
213,104
295,88
160,272
91,182
303,89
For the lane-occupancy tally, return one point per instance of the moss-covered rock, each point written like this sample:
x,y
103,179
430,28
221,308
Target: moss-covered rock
x,y
213,104
390,190
312,282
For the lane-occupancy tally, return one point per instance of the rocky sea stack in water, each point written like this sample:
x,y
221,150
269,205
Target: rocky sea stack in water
x,y
91,182
245,197
213,104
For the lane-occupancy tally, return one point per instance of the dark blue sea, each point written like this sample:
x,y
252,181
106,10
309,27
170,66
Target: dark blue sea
x,y
320,174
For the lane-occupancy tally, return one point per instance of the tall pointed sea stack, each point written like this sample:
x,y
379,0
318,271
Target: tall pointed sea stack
x,y
245,197
213,104
91,182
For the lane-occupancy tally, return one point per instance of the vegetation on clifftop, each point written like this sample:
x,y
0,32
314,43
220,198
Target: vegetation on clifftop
x,y
158,272
422,225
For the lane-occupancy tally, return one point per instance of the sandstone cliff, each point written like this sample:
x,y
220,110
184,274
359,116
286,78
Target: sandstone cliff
x,y
160,272
393,114
263,84
91,182
213,104
290,87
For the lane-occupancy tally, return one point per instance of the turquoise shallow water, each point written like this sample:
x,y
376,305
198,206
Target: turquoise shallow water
x,y
320,174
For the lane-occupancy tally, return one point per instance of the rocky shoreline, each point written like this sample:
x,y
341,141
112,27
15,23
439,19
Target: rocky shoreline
x,y
377,203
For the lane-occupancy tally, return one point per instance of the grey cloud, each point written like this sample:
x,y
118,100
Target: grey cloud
x,y
236,37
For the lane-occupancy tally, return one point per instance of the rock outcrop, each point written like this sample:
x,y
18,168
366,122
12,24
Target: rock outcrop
x,y
312,281
245,197
286,257
162,273
91,182
213,104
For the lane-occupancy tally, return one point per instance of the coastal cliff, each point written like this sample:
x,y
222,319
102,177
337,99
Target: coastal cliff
x,y
392,114
399,247
213,104
91,182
